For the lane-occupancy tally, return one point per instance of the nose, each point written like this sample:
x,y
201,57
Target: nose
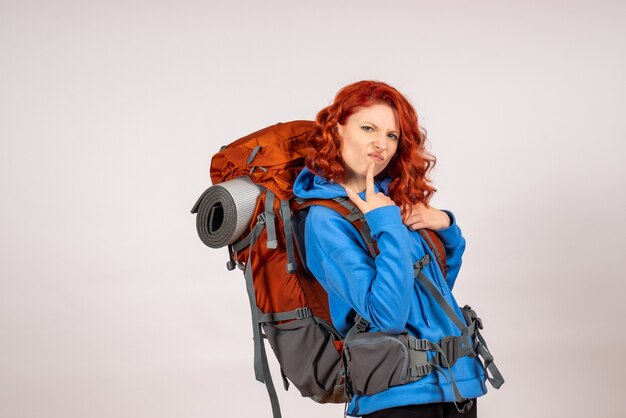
x,y
380,142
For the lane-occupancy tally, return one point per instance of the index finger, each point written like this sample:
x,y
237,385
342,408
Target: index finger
x,y
369,181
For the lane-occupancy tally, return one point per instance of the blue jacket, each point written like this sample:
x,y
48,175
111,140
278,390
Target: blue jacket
x,y
383,289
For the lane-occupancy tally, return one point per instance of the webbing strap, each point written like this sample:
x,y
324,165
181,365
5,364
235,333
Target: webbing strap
x,y
438,256
366,233
419,366
360,325
345,203
261,367
356,214
299,313
428,285
258,370
458,398
269,384
242,244
465,404
270,220
253,154
493,374
285,213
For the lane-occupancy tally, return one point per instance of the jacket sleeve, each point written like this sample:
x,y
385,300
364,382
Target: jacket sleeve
x,y
378,289
454,244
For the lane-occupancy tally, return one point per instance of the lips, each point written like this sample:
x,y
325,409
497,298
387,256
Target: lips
x,y
375,157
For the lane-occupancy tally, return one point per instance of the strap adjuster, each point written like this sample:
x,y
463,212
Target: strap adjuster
x,y
362,324
450,350
418,344
470,316
420,370
423,262
304,312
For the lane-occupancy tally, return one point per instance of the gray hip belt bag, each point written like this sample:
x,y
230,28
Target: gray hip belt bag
x,y
376,361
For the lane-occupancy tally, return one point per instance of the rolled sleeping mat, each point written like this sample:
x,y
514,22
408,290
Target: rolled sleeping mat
x,y
224,211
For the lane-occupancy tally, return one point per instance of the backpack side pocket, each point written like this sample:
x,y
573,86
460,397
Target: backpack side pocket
x,y
307,356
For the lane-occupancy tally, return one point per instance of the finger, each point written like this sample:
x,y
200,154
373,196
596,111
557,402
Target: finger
x,y
417,225
414,219
369,182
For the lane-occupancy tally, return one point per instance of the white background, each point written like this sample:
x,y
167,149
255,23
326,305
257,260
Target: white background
x,y
110,305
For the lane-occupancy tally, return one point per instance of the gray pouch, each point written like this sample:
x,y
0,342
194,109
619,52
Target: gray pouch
x,y
308,358
376,361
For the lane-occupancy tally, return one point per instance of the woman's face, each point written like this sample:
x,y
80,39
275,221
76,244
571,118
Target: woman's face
x,y
369,134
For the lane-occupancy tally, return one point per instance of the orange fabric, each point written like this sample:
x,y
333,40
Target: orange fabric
x,y
282,152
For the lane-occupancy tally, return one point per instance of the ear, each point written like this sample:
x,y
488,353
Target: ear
x,y
339,128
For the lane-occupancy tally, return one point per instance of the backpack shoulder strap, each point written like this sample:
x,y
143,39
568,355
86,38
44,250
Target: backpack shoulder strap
x,y
436,246
350,213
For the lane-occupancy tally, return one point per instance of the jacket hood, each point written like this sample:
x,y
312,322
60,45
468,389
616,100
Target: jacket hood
x,y
311,186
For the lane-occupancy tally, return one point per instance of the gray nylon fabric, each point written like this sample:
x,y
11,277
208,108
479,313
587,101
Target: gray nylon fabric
x,y
299,313
258,369
253,154
270,220
376,361
360,325
285,213
493,374
261,366
306,355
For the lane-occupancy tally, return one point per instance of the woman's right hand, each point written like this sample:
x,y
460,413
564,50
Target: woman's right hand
x,y
372,200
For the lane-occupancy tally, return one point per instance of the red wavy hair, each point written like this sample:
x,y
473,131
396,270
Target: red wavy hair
x,y
411,164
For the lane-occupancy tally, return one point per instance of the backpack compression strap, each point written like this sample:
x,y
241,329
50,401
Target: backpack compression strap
x,y
261,366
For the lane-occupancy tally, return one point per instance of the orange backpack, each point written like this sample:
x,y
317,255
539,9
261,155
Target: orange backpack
x,y
288,305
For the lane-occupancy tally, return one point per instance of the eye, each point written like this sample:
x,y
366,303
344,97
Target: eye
x,y
367,128
392,136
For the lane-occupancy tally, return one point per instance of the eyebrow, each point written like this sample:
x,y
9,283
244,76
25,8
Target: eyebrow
x,y
375,126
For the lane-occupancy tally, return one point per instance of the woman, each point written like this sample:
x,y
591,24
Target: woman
x,y
369,147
